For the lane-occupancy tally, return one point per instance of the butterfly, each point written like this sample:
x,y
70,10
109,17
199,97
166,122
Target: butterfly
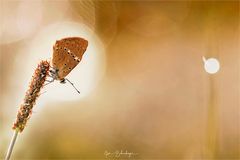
x,y
67,53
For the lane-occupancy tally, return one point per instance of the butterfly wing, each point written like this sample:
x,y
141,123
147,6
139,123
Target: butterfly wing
x,y
67,53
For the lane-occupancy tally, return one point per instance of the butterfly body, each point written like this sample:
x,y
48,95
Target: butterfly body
x,y
67,53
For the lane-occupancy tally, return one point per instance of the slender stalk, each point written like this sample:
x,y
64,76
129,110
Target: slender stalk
x,y
11,145
25,109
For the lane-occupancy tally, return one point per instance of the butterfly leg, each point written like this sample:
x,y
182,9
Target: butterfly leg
x,y
49,81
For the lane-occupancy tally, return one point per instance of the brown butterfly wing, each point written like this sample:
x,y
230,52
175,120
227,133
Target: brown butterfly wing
x,y
67,53
75,44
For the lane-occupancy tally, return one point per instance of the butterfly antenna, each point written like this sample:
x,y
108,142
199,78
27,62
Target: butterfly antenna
x,y
73,85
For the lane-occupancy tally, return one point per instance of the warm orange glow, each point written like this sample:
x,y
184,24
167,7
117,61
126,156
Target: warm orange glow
x,y
142,80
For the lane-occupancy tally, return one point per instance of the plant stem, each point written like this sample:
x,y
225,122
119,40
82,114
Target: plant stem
x,y
11,145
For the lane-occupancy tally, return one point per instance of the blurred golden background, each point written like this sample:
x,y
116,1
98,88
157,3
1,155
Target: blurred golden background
x,y
143,85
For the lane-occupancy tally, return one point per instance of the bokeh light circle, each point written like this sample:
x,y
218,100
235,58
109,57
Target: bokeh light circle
x,y
19,19
211,65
